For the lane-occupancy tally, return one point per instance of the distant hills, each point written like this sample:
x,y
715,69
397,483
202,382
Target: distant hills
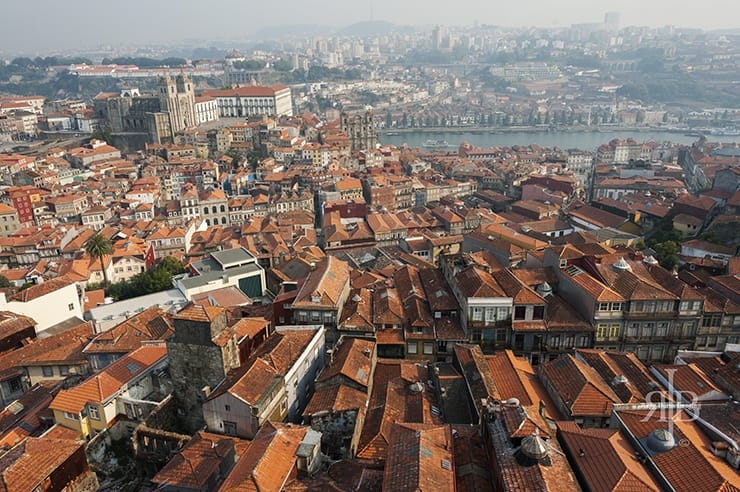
x,y
359,29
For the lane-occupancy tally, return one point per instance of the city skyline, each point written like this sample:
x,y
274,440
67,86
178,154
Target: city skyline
x,y
141,23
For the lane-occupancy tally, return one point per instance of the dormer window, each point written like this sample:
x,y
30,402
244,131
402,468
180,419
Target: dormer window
x,y
315,298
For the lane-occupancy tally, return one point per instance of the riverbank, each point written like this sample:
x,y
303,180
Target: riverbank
x,y
563,139
526,129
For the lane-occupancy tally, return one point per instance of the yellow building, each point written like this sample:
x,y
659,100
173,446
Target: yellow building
x,y
93,406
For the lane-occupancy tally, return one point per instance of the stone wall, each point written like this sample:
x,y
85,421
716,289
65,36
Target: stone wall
x,y
337,431
195,370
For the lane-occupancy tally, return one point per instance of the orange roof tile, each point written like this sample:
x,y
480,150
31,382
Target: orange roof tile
x,y
269,461
105,384
29,465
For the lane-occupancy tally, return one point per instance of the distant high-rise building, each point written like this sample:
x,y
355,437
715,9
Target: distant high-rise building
x,y
611,21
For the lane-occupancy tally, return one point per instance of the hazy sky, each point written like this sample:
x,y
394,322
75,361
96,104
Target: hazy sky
x,y
46,25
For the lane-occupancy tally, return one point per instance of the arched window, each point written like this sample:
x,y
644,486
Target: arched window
x,y
223,208
223,220
205,210
214,209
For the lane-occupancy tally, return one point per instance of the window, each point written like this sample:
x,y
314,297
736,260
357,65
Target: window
x,y
48,371
503,313
227,408
539,312
93,412
71,416
229,428
520,312
603,306
614,330
411,348
602,330
64,370
647,329
500,336
616,306
662,329
15,384
477,314
475,336
632,330
490,314
555,341
71,306
582,341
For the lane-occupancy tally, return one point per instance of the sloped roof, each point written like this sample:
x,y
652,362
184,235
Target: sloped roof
x,y
336,398
392,400
150,324
196,462
269,461
604,459
352,360
325,284
419,459
105,384
29,464
579,386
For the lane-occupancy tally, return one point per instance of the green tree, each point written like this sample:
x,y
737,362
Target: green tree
x,y
4,282
98,247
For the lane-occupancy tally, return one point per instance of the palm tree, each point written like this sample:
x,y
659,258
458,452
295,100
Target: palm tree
x,y
97,247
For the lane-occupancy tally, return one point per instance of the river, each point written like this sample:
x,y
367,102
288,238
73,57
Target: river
x,y
564,140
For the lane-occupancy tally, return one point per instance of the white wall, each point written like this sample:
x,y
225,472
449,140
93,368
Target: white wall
x,y
47,310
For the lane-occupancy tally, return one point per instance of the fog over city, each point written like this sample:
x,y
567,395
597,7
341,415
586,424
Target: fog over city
x,y
87,23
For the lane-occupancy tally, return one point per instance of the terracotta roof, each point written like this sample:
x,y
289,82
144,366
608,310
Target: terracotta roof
x,y
335,398
325,285
393,400
353,360
638,386
225,296
513,469
591,286
475,282
65,347
150,324
21,419
265,368
690,380
690,465
105,384
198,312
477,372
516,289
30,464
579,387
419,459
11,323
202,457
357,312
269,461
245,91
604,459
40,290
561,316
